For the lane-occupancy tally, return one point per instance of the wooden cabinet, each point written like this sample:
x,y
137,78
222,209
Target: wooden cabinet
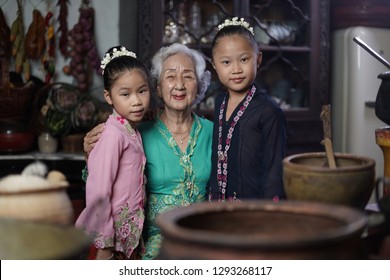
x,y
292,34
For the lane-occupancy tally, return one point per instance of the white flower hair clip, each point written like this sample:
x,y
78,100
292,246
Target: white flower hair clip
x,y
115,53
235,21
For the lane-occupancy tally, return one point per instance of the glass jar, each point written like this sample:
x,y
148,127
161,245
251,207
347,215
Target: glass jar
x,y
47,143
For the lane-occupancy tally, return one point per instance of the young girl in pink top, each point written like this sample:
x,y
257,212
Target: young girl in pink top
x,y
115,194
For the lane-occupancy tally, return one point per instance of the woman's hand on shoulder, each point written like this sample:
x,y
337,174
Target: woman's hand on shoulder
x,y
92,137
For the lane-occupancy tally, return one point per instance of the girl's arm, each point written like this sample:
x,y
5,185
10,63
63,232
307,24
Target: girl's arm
x,y
90,140
103,164
274,129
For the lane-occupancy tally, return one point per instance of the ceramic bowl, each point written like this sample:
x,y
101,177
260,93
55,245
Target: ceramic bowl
x,y
307,177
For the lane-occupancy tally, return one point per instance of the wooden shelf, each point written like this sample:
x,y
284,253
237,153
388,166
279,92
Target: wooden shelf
x,y
302,62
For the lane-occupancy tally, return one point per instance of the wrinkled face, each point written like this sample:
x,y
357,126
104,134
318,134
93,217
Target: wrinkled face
x,y
130,95
178,84
236,63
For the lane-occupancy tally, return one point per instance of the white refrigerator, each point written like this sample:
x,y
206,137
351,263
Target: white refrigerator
x,y
355,85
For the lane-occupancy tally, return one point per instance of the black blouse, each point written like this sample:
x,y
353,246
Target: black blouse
x,y
256,151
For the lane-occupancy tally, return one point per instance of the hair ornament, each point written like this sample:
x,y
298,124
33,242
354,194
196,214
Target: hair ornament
x,y
115,53
235,21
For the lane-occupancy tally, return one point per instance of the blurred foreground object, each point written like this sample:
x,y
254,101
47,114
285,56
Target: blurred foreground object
x,y
26,240
35,198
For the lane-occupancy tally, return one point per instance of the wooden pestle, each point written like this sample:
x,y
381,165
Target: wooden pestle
x,y
327,142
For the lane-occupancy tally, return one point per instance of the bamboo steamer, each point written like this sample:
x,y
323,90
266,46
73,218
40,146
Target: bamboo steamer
x,y
33,198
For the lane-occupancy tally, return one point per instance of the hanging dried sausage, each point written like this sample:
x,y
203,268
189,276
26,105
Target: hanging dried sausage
x,y
35,37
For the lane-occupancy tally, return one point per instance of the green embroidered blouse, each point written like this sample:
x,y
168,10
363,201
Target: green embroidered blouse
x,y
175,178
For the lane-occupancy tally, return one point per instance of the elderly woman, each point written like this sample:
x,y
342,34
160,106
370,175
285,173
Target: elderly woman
x,y
177,142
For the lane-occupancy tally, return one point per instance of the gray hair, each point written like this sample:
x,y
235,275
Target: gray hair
x,y
203,76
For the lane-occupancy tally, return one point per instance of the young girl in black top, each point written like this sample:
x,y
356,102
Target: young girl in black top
x,y
249,128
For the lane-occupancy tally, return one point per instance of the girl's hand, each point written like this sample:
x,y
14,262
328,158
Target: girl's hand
x,y
92,137
104,254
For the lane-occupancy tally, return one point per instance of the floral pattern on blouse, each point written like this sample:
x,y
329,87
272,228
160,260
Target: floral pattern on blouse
x,y
115,197
128,232
186,191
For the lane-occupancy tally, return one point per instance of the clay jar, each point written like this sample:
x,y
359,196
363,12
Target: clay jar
x,y
47,143
32,198
307,177
261,230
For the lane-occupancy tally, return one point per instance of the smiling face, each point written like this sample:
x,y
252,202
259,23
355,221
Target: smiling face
x,y
178,83
130,95
236,62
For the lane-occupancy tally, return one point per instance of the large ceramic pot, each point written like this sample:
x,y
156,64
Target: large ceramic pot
x,y
31,198
27,240
307,177
261,230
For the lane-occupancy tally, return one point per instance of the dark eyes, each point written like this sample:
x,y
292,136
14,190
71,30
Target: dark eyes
x,y
227,62
143,91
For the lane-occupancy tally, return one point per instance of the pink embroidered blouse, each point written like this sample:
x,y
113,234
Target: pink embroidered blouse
x,y
115,189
